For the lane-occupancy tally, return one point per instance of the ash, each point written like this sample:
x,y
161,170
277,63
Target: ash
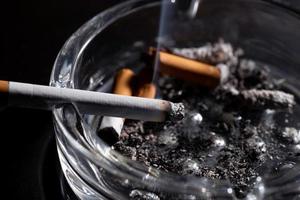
x,y
143,195
268,98
222,136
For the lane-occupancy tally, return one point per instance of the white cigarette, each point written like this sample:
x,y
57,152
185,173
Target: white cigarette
x,y
111,127
97,103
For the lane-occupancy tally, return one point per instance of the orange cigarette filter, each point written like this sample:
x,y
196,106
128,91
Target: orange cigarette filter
x,y
4,86
123,82
145,88
187,69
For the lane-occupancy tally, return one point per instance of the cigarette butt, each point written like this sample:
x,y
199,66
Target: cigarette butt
x,y
123,82
147,90
145,87
111,127
187,69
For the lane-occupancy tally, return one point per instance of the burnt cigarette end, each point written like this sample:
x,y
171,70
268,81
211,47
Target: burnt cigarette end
x,y
109,135
268,98
177,112
224,69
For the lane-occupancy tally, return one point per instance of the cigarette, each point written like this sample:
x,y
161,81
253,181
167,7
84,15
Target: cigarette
x,y
190,70
111,127
89,102
123,82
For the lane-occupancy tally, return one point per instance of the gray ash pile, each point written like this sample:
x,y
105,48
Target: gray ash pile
x,y
228,133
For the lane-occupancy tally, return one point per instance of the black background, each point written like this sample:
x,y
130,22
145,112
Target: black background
x,y
32,33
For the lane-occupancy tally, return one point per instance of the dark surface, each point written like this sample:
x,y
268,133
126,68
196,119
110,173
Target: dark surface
x,y
32,34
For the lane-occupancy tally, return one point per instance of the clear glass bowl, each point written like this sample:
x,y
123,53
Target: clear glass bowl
x,y
114,39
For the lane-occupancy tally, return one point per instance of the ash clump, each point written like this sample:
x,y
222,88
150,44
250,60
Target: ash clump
x,y
177,111
291,135
268,98
216,53
143,195
219,138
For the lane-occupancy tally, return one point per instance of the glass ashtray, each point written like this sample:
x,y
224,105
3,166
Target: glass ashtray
x,y
115,38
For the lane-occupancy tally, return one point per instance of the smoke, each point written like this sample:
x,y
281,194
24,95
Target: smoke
x,y
168,13
168,10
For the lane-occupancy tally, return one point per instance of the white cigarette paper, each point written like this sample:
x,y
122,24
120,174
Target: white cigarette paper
x,y
98,103
114,124
111,127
